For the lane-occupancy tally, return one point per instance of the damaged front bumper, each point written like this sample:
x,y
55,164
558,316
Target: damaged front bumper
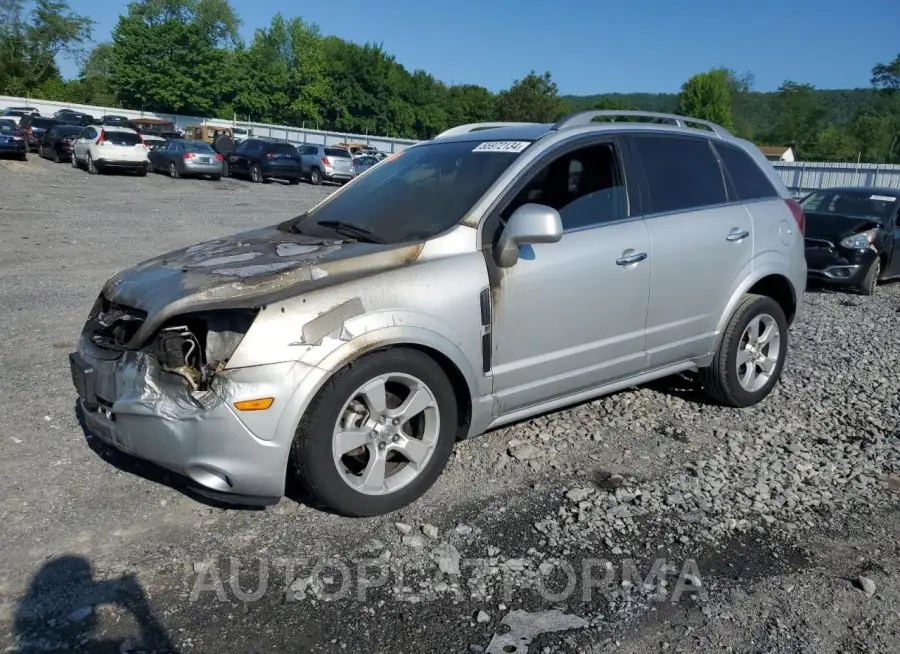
x,y
133,405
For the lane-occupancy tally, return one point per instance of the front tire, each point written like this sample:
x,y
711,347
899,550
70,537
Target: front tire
x,y
378,434
870,281
750,357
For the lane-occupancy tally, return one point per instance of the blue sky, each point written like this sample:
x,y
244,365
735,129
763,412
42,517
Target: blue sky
x,y
596,46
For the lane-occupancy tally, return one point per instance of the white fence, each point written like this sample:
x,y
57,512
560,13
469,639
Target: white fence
x,y
803,176
296,135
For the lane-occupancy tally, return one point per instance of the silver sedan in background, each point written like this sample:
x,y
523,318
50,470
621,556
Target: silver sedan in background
x,y
182,158
362,163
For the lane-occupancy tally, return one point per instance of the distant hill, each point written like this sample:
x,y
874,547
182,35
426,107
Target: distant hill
x,y
753,113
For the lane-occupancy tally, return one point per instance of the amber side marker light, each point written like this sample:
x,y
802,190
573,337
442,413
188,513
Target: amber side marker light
x,y
261,404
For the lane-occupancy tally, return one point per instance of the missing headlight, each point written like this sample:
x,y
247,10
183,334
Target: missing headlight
x,y
197,346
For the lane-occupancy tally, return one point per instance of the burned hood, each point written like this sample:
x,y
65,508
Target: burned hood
x,y
834,227
246,270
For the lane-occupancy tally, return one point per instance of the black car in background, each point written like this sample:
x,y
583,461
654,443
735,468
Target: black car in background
x,y
71,117
33,128
11,140
853,236
262,160
56,142
118,121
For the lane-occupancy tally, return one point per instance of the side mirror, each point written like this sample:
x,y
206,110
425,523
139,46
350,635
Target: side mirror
x,y
530,223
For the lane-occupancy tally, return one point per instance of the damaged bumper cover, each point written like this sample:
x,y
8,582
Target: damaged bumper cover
x,y
130,403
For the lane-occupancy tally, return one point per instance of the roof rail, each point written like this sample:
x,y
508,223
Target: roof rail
x,y
476,127
587,117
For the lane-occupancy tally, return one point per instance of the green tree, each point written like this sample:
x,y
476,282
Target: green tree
x,y
534,98
708,96
887,76
800,115
30,42
172,55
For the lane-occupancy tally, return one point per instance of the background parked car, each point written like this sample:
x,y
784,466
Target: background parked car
x,y
12,116
103,148
117,121
33,128
56,142
11,140
853,236
153,141
169,135
262,160
322,163
362,163
181,158
22,111
74,117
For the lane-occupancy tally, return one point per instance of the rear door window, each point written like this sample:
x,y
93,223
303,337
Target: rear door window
x,y
283,148
683,173
748,180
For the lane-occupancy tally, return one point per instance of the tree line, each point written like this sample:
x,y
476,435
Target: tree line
x,y
186,57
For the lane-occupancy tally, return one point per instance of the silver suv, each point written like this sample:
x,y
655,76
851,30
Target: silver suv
x,y
493,273
321,163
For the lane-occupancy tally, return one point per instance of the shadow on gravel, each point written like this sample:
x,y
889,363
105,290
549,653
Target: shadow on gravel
x,y
60,612
686,386
149,471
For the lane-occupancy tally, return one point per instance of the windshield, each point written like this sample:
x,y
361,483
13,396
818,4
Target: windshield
x,y
417,193
858,204
338,152
8,126
197,146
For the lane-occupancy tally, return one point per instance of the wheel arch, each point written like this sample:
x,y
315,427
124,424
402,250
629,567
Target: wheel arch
x,y
447,355
775,285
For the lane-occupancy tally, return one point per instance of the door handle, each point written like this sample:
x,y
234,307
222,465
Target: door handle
x,y
632,258
737,235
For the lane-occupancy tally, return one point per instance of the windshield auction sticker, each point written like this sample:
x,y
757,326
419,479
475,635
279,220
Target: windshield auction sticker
x,y
501,146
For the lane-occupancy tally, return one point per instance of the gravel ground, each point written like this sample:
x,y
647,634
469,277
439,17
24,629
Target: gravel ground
x,y
649,520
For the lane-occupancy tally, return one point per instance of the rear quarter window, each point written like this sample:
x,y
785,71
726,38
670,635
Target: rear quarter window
x,y
748,180
683,173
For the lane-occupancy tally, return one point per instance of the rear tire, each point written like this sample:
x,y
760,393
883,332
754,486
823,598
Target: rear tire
x,y
56,158
315,177
74,162
256,175
91,166
225,171
293,181
870,281
23,156
173,170
747,365
430,432
215,178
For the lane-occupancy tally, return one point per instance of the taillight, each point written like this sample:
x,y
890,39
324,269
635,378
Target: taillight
x,y
102,137
219,157
188,155
270,155
799,216
326,161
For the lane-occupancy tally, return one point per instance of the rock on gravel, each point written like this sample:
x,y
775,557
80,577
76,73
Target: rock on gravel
x,y
866,585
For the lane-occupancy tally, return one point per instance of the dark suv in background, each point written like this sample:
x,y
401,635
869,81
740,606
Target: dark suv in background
x,y
262,160
33,128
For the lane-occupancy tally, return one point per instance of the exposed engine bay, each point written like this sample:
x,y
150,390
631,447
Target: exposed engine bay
x,y
194,346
